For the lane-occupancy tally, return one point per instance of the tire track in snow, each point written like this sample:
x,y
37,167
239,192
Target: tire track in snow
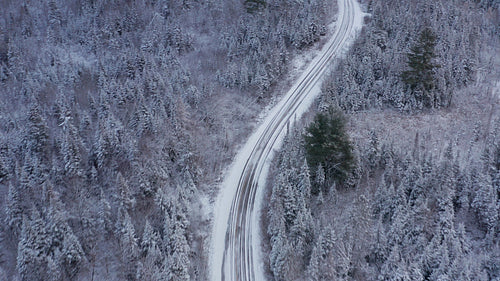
x,y
236,244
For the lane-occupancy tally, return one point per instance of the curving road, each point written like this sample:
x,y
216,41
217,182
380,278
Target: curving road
x,y
236,245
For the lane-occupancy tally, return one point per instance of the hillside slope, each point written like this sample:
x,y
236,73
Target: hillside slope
x,y
423,200
116,120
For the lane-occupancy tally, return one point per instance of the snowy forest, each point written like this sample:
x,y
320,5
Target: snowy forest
x,y
117,119
395,173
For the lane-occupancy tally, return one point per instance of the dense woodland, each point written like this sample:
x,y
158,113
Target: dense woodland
x,y
116,120
118,117
420,96
451,33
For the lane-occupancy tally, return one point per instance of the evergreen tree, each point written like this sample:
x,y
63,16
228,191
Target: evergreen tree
x,y
4,173
70,149
304,186
55,21
179,257
313,269
421,75
128,246
327,144
13,208
279,256
54,267
395,269
104,213
177,247
33,248
152,268
38,132
149,238
320,176
485,202
72,254
290,206
379,250
126,199
57,224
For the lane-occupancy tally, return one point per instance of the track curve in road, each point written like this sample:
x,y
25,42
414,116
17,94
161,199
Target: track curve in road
x,y
236,245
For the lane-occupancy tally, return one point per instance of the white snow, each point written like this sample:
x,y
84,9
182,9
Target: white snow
x,y
228,188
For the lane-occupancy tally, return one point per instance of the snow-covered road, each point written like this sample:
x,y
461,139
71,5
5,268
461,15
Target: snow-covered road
x,y
236,241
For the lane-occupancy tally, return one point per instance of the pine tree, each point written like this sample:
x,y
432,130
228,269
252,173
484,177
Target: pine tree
x,y
104,213
320,176
128,246
327,143
378,249
485,202
373,151
177,247
55,21
313,269
179,264
33,248
304,186
127,199
70,149
4,173
72,254
279,256
153,265
13,208
38,132
394,269
57,224
149,238
54,271
108,140
290,206
421,75
276,212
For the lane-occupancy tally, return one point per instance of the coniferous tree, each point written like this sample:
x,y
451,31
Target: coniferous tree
x,y
421,75
176,246
313,269
70,149
13,208
72,255
126,198
104,213
153,265
327,144
279,256
149,238
128,246
4,173
54,271
33,248
55,21
38,132
485,202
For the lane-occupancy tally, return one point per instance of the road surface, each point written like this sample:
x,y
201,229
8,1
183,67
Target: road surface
x,y
236,245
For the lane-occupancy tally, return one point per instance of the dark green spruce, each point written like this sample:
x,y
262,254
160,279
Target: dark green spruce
x,y
420,76
327,145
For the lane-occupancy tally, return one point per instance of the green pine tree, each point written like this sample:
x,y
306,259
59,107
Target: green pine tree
x,y
420,75
327,144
